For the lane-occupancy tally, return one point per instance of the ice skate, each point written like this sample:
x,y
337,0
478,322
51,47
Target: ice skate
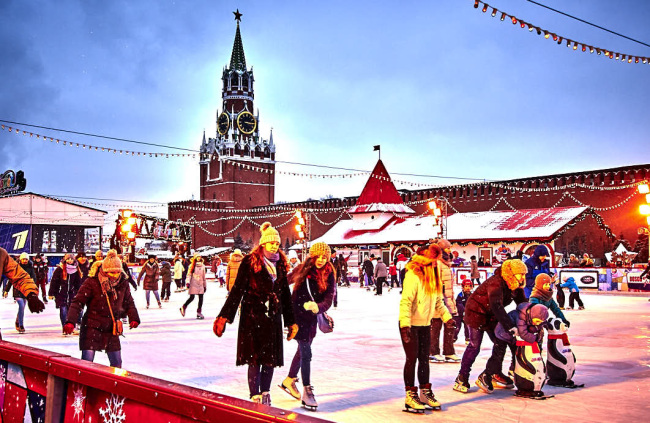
x,y
182,311
438,358
536,395
266,398
484,382
147,305
412,402
21,329
17,326
199,316
502,381
257,399
289,386
581,308
452,359
427,398
308,399
461,384
159,304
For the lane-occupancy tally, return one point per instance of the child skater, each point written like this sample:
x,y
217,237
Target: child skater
x,y
543,294
575,292
461,300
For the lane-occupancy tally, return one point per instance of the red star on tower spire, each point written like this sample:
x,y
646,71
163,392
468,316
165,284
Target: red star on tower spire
x,y
237,15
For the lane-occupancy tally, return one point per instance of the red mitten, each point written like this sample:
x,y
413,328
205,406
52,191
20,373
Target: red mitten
x,y
68,328
133,324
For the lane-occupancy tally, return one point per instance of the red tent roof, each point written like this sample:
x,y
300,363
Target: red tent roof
x,y
380,194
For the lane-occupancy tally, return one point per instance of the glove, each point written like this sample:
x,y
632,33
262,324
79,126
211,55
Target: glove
x,y
4,294
35,305
405,333
51,297
134,324
450,324
514,331
566,323
311,306
219,326
293,330
68,328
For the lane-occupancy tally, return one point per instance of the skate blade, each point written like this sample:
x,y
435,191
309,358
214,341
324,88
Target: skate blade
x,y
483,388
545,397
288,392
412,410
309,407
501,386
461,389
433,407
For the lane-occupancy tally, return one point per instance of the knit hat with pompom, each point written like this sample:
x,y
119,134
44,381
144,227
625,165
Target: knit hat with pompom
x,y
269,233
111,263
320,249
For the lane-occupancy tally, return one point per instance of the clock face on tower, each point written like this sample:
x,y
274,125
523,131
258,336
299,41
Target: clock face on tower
x,y
246,122
223,123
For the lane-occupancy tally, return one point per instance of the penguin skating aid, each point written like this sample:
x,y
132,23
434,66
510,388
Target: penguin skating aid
x,y
530,371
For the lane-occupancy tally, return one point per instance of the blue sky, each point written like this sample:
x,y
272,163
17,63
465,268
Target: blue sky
x,y
443,88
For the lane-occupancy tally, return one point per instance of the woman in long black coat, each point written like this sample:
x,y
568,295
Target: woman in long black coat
x,y
64,285
263,290
110,282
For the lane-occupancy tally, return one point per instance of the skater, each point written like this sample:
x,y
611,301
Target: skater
x,y
166,278
461,301
575,292
294,261
536,264
573,261
64,285
314,284
379,275
107,298
20,281
543,294
445,277
178,273
263,291
421,297
368,271
484,309
19,297
127,272
151,273
233,267
40,270
474,274
197,285
529,320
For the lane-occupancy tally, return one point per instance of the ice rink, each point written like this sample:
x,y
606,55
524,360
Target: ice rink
x,y
357,369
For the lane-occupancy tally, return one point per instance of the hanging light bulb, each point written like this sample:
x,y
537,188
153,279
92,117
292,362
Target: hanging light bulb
x,y
522,23
636,60
530,27
554,37
485,7
629,59
645,60
591,49
617,56
494,12
503,15
539,31
514,20
584,47
476,4
546,34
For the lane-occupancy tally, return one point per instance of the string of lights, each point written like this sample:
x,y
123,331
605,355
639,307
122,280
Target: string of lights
x,y
575,45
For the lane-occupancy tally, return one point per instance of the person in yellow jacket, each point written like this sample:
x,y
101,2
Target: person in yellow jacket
x,y
421,299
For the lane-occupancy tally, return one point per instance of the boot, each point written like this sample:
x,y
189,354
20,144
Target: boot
x,y
257,399
499,380
199,315
453,358
289,386
159,304
183,313
484,382
461,384
21,329
412,401
17,326
266,398
427,398
308,399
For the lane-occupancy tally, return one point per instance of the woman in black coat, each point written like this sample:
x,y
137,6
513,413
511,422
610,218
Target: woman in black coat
x,y
263,290
108,284
64,285
313,292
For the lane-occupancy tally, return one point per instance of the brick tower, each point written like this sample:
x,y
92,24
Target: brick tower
x,y
237,167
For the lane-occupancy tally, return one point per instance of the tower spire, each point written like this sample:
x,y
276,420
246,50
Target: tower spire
x,y
237,58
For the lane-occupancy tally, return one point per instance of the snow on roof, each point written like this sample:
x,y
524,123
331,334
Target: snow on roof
x,y
379,194
493,225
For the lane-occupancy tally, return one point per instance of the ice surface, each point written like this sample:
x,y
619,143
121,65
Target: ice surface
x,y
357,369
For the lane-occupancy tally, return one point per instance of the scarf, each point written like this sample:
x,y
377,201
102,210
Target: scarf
x,y
107,284
542,294
70,269
270,261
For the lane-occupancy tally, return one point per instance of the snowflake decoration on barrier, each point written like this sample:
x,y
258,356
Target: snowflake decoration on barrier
x,y
113,413
78,403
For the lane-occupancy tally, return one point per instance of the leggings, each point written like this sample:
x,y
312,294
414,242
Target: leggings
x,y
302,361
189,300
155,293
417,351
259,378
575,296
114,357
166,290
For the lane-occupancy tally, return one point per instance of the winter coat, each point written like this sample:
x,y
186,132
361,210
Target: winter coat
x,y
446,278
264,304
571,284
417,307
551,305
474,273
30,271
307,321
461,301
40,270
151,274
97,325
233,267
16,275
368,268
522,318
573,262
536,266
380,270
178,269
64,287
166,272
197,281
486,306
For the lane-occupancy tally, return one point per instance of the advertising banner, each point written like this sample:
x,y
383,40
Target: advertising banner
x,y
583,278
15,238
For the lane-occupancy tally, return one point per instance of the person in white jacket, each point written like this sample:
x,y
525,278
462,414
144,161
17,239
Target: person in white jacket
x,y
421,299
178,273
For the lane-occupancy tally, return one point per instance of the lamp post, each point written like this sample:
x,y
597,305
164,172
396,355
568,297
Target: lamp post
x,y
644,209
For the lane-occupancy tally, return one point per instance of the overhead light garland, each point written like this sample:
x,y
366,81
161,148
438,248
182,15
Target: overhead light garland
x,y
575,45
